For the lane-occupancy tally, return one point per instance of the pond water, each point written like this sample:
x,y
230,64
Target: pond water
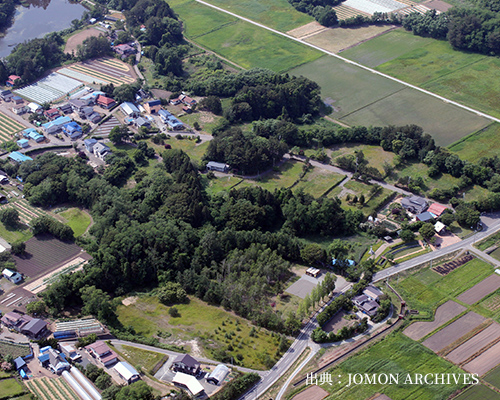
x,y
38,18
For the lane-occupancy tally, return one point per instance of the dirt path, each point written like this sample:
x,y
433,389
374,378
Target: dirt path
x,y
77,39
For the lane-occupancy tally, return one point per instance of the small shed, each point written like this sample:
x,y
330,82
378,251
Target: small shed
x,y
218,374
439,227
127,372
23,143
217,166
19,363
13,276
189,382
425,216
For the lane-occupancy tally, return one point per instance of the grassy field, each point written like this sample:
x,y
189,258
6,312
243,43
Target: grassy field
x,y
285,177
217,185
144,359
483,143
193,150
415,170
395,354
426,289
250,46
478,392
489,241
19,234
318,181
13,349
77,220
10,388
277,14
386,47
375,155
359,188
213,326
493,377
206,120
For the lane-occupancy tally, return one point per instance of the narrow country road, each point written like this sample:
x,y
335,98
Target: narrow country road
x,y
373,71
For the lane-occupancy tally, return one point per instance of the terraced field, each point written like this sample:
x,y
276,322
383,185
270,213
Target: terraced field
x,y
8,127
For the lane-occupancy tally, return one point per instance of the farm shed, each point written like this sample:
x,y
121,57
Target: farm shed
x,y
314,272
190,382
34,328
13,276
19,157
35,108
23,143
439,227
437,209
129,109
101,150
218,374
127,372
217,166
153,106
37,137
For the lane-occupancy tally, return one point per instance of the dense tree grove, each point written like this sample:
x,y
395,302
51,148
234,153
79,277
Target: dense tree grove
x,y
93,47
7,11
321,10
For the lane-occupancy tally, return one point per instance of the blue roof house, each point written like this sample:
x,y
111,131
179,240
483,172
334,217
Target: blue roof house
x,y
23,143
26,132
19,157
72,130
37,137
89,144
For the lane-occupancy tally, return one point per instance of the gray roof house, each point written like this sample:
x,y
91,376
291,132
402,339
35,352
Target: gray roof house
x,y
129,109
101,150
414,204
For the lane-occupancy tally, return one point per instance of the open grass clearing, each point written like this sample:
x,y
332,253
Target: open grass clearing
x,y
425,297
221,184
416,170
213,326
20,233
375,155
77,219
190,147
395,354
10,388
483,143
250,46
207,120
445,122
277,14
15,350
386,47
318,181
372,202
491,240
286,175
338,39
144,359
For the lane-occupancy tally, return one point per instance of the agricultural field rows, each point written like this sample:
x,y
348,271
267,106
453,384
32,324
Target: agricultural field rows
x,y
8,127
51,389
26,211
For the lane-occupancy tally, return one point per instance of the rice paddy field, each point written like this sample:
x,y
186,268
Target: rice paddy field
x,y
479,392
8,127
483,143
277,14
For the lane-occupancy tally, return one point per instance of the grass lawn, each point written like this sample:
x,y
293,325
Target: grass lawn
x,y
489,241
77,219
144,359
375,155
483,143
10,387
250,46
277,14
222,184
193,150
425,292
215,327
359,188
206,120
287,175
415,170
445,122
478,392
19,234
395,354
318,181
493,377
428,62
384,48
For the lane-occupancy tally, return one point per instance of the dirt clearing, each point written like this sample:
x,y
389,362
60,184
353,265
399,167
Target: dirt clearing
x,y
486,361
481,290
454,331
309,29
312,393
444,313
78,38
475,344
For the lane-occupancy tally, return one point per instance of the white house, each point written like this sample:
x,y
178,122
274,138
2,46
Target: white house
x,y
13,276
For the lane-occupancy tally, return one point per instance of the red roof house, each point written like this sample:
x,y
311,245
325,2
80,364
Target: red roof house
x,y
52,113
12,80
105,102
437,209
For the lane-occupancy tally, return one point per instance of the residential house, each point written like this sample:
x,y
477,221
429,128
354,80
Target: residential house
x,y
425,216
437,209
35,108
218,374
186,364
414,204
365,305
37,137
13,276
95,117
124,50
52,113
101,150
217,166
11,81
23,143
129,109
89,144
69,351
78,104
100,351
105,102
66,108
142,122
72,130
19,109
175,101
19,157
56,125
153,106
187,100
373,293
17,100
57,362
35,328
170,120
6,95
127,372
29,326
85,112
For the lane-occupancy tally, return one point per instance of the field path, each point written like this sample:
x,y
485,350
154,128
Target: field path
x,y
472,110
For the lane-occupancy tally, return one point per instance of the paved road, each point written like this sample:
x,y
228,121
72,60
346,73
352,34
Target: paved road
x,y
491,224
373,71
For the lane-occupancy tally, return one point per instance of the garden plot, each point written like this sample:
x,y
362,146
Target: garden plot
x,y
484,362
454,331
312,393
475,344
26,212
50,88
444,313
481,290
106,127
8,127
51,389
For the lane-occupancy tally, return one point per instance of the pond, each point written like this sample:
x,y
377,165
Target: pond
x,y
36,19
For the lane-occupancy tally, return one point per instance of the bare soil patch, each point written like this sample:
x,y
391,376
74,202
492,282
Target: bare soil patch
x,y
481,290
312,393
161,94
78,38
44,253
307,29
475,344
444,313
484,362
338,39
454,331
129,300
438,5
337,322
